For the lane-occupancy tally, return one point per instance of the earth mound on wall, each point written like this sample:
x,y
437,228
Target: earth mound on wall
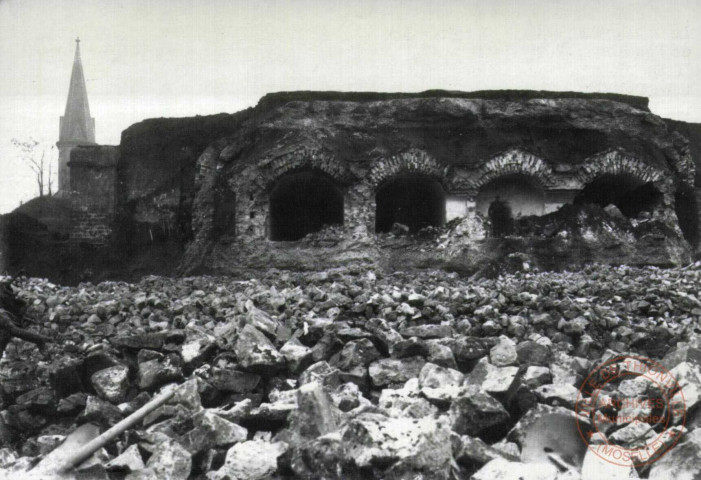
x,y
352,138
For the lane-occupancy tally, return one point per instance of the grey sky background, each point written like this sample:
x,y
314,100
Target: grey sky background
x,y
169,58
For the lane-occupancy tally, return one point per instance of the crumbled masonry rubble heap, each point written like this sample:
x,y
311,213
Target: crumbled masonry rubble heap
x,y
349,374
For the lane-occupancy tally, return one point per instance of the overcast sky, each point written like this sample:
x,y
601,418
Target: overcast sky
x,y
171,58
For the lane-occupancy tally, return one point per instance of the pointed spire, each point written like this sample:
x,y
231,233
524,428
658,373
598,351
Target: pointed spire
x,y
76,124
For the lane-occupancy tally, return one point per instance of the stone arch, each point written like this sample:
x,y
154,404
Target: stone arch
x,y
616,177
303,159
412,161
513,162
618,162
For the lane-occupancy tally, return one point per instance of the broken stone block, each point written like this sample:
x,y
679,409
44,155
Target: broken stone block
x,y
466,349
428,331
472,451
187,394
7,457
406,401
251,460
536,376
357,353
210,430
391,371
688,378
323,373
348,396
682,354
383,333
328,345
111,384
474,412
168,458
234,381
151,341
503,354
64,377
440,354
255,352
198,347
633,435
155,373
419,446
491,379
297,356
40,400
682,461
128,461
316,413
99,411
410,347
530,352
505,470
440,384
260,320
165,412
72,404
557,394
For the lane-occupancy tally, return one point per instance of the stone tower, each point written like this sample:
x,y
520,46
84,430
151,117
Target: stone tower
x,y
77,127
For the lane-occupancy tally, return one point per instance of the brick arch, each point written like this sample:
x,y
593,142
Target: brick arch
x,y
513,162
312,158
618,162
411,161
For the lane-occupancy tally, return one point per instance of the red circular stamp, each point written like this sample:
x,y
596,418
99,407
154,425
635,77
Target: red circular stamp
x,y
634,410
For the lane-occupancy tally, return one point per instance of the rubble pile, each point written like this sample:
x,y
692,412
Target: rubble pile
x,y
347,373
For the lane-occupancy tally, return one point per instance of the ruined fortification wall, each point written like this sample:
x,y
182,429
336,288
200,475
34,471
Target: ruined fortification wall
x,y
559,145
214,182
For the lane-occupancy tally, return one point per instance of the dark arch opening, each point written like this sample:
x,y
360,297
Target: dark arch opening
x,y
414,200
302,203
687,211
629,194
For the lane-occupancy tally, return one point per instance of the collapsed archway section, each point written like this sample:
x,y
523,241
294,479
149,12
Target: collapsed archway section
x,y
521,193
304,202
628,193
414,200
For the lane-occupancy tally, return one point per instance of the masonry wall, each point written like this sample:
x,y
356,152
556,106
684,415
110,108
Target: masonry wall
x,y
93,174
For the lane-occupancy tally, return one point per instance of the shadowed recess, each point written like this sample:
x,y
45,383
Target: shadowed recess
x,y
416,201
302,203
630,195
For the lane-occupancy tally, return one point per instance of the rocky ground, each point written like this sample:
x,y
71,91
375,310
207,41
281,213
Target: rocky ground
x,y
350,374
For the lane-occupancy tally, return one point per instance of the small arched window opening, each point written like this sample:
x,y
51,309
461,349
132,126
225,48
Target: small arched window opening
x,y
629,194
302,203
414,200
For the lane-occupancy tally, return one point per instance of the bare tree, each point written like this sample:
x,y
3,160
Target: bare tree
x,y
35,156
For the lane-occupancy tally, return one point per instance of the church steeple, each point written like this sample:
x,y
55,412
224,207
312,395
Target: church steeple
x,y
77,127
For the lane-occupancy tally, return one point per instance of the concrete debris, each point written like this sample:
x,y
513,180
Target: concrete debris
x,y
351,375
